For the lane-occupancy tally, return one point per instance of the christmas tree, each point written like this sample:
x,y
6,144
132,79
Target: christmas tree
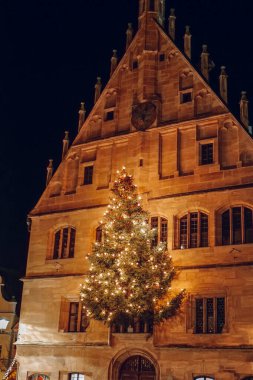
x,y
129,277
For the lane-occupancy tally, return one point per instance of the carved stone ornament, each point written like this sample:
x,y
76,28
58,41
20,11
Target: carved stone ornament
x,y
143,115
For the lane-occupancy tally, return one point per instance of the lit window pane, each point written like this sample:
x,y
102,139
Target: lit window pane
x,y
183,232
194,230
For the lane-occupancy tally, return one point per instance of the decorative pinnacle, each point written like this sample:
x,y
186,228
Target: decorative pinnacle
x,y
172,11
204,49
129,34
66,137
49,171
82,106
223,70
244,95
187,30
98,86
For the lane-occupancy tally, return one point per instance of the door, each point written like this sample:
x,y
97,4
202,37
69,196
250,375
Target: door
x,y
137,368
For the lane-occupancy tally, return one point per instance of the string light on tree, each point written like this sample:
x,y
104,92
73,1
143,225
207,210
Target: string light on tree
x,y
128,277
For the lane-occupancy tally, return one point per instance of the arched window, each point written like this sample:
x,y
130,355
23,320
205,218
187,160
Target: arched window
x,y
161,226
203,378
137,367
76,376
38,376
193,230
237,225
64,243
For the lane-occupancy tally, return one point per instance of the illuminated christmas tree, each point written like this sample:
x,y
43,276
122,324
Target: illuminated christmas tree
x,y
129,277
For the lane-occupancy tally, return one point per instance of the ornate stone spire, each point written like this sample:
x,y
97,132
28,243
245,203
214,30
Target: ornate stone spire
x,y
172,24
129,35
82,114
154,8
205,62
49,171
98,87
114,61
244,109
65,144
187,42
223,84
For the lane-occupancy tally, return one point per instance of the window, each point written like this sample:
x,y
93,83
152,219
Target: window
x,y
185,97
209,315
162,57
206,155
99,234
237,226
133,326
151,5
135,64
193,230
38,376
72,317
88,175
76,376
161,226
64,243
109,116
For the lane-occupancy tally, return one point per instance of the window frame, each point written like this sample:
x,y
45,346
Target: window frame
x,y
65,316
230,229
35,375
88,181
183,93
76,373
201,154
109,115
205,315
191,313
70,247
189,233
159,236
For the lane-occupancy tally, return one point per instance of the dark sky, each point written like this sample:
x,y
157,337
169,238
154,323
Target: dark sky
x,y
51,54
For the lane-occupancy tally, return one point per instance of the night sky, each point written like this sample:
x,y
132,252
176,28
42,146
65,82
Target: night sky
x,y
51,53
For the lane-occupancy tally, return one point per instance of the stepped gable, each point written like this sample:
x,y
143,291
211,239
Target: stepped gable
x,y
155,70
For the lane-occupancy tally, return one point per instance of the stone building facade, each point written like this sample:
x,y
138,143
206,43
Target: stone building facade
x,y
193,163
8,320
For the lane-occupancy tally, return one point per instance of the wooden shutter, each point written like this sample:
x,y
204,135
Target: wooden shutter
x,y
64,315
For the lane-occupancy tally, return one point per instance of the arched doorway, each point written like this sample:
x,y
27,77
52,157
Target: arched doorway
x,y
137,367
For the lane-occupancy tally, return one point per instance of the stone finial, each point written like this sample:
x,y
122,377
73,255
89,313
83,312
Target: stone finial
x,y
114,61
65,144
244,109
205,62
82,114
49,171
98,87
187,42
223,79
172,24
129,35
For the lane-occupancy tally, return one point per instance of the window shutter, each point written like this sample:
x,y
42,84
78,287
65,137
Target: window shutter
x,y
64,315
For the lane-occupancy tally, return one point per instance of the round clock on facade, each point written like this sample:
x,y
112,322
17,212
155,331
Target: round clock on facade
x,y
143,115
